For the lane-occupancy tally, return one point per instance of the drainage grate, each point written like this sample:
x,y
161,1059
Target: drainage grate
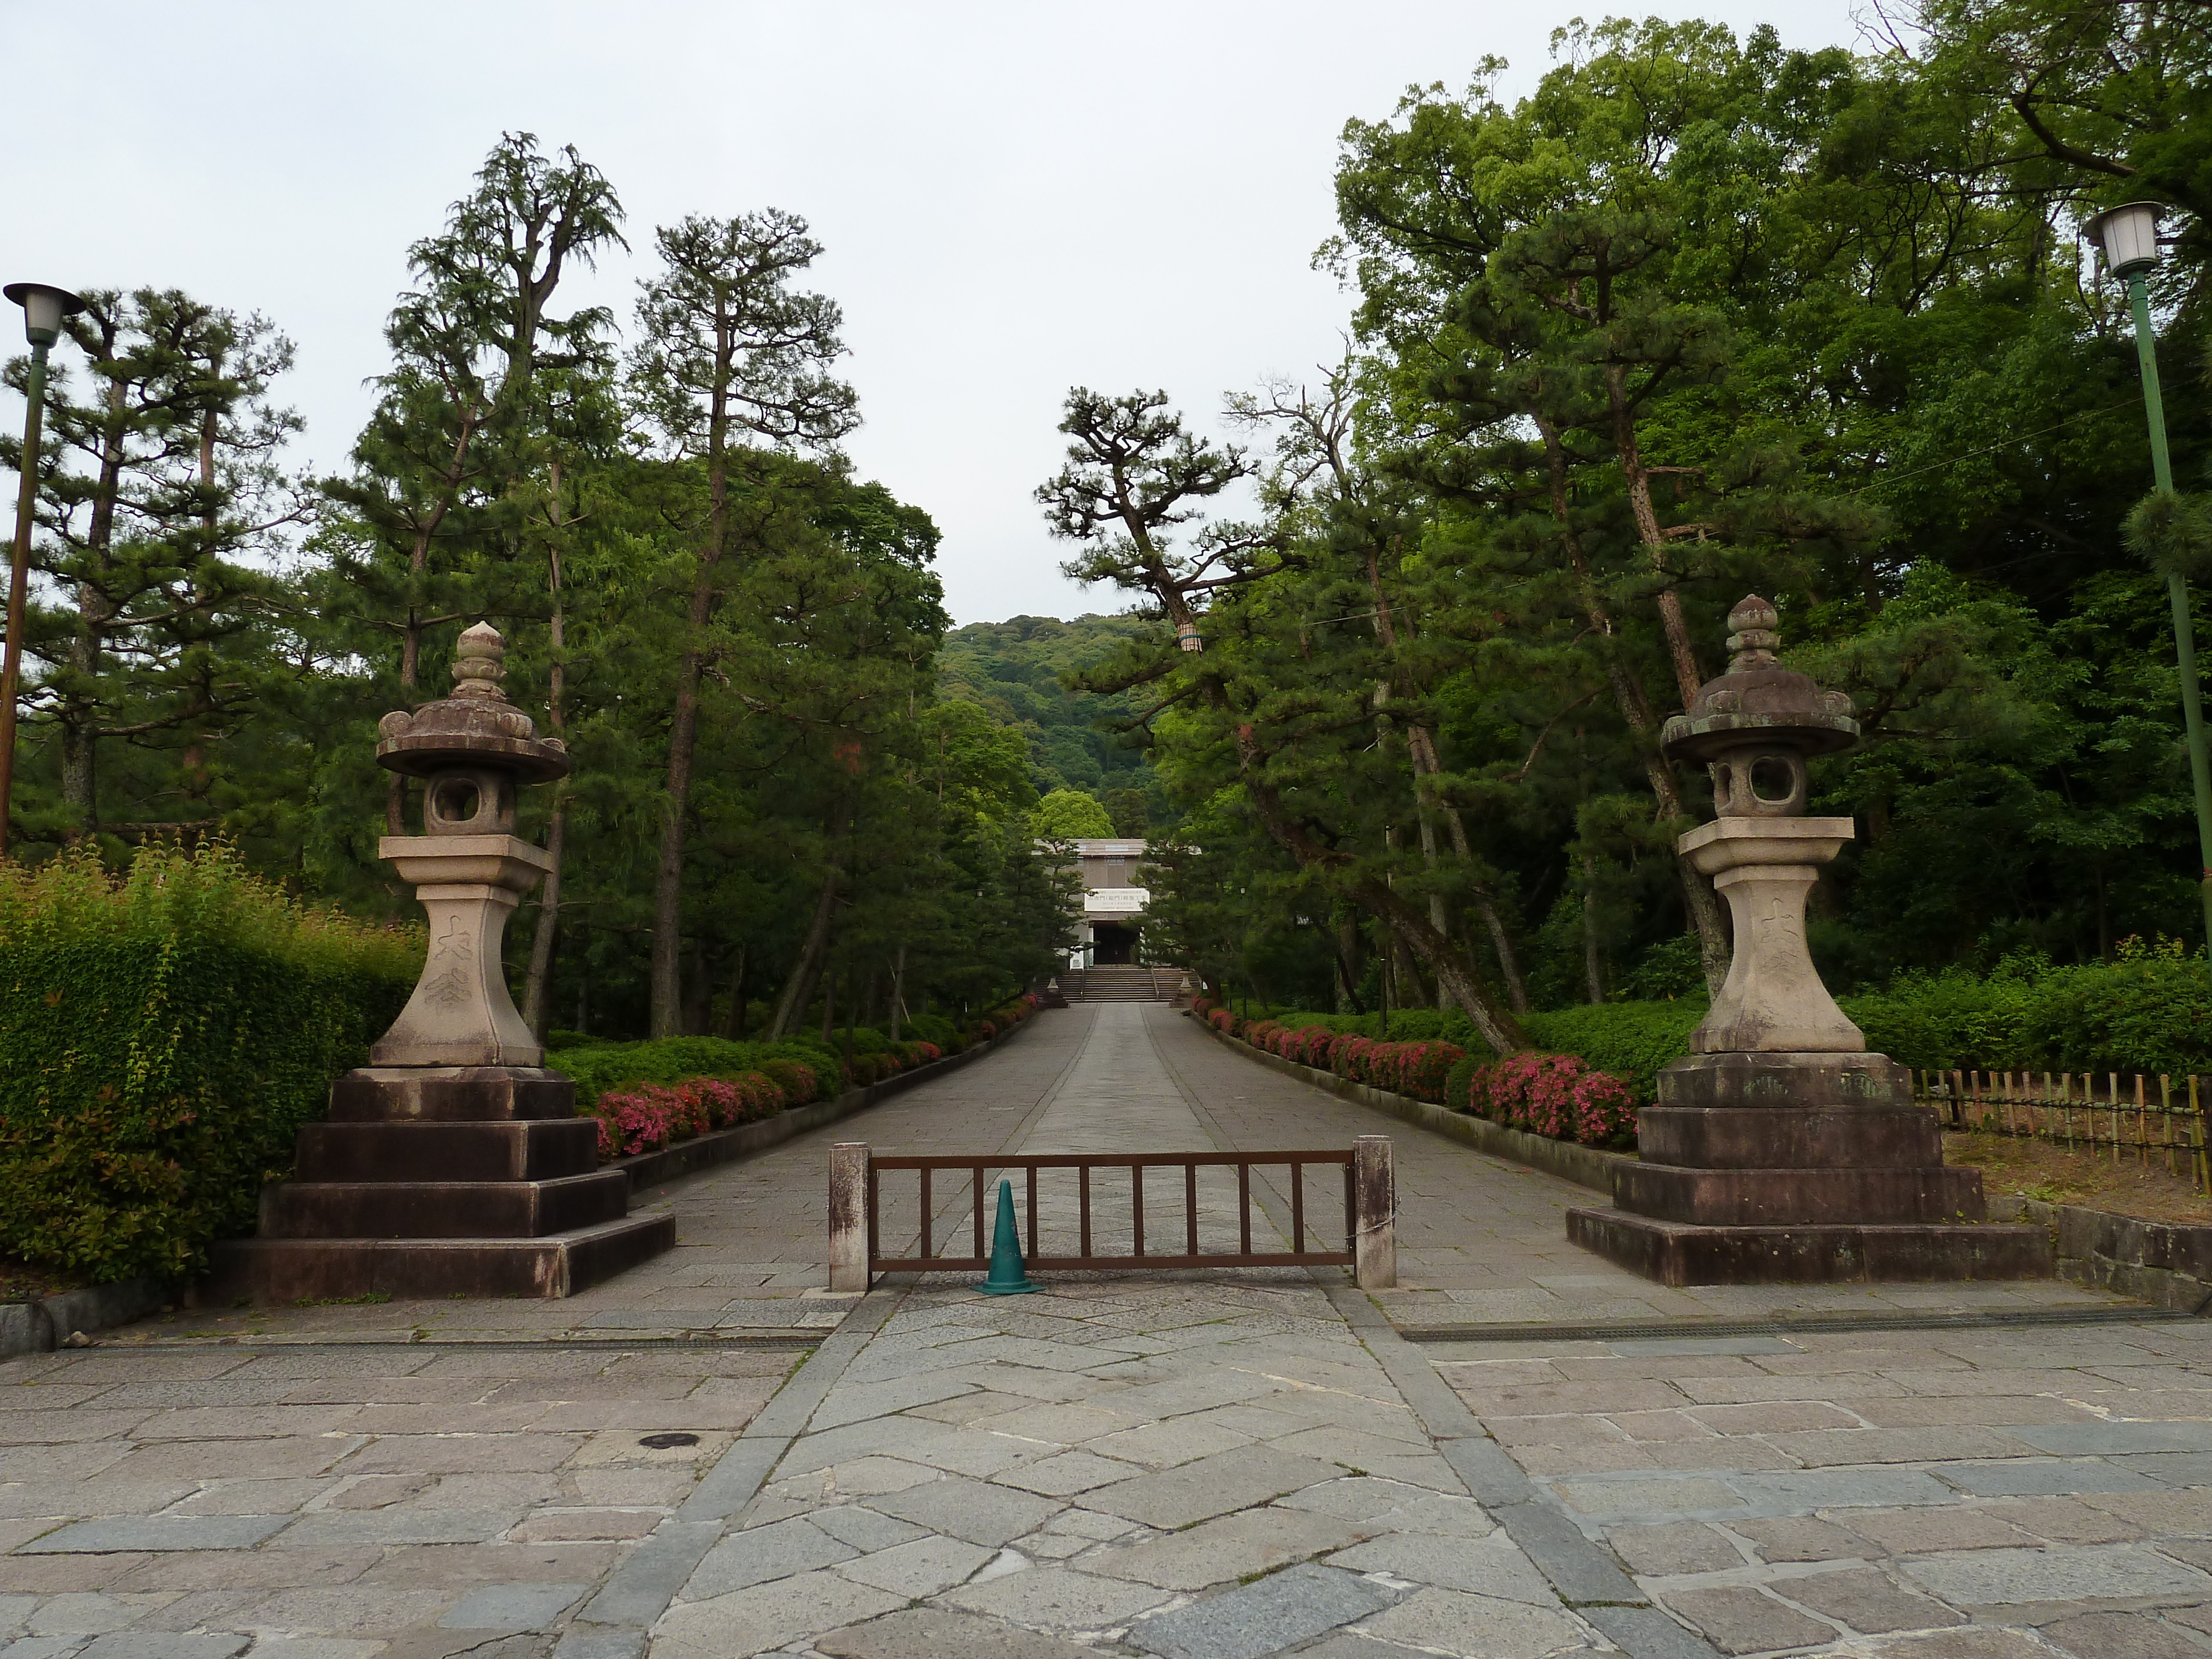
x,y
1813,1324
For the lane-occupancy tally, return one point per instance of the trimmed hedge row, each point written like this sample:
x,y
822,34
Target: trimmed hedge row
x,y
1417,1069
163,1035
649,1095
2148,1012
1561,1096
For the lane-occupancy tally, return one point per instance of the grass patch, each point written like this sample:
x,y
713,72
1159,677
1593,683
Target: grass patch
x,y
2012,1165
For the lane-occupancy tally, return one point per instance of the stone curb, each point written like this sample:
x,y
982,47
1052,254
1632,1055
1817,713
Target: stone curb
x,y
725,1145
1586,1166
40,1327
2165,1264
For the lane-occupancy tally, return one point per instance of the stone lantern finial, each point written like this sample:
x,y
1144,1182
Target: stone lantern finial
x,y
1752,636
479,663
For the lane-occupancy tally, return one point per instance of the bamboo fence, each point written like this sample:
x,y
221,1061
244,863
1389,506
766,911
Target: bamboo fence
x,y
2161,1117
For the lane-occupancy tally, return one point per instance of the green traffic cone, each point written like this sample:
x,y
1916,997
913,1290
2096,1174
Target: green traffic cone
x,y
1006,1277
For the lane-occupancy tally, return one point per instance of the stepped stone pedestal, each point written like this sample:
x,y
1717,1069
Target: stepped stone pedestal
x,y
1780,1151
454,1163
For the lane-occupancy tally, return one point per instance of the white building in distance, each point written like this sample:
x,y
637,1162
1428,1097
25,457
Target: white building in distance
x,y
1113,903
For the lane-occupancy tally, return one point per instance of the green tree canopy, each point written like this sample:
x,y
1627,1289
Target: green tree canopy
x,y
1071,814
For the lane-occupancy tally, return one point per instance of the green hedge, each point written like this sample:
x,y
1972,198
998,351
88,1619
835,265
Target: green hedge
x,y
163,1035
2151,1014
604,1066
1632,1040
599,1066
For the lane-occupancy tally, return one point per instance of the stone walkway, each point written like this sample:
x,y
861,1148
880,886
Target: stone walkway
x,y
1193,1464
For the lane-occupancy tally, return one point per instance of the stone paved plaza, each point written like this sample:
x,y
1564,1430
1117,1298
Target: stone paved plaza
x,y
1193,1465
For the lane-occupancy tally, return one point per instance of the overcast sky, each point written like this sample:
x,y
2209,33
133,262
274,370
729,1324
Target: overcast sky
x,y
1013,198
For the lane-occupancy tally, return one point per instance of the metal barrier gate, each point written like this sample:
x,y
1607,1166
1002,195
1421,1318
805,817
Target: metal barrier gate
x,y
856,1208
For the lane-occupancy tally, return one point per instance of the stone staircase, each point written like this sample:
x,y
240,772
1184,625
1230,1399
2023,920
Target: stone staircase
x,y
1121,984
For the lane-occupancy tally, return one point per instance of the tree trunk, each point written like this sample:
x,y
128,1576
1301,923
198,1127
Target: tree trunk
x,y
799,989
79,713
698,993
733,1018
1593,966
1699,900
1423,745
898,991
1455,977
536,989
1346,930
410,636
1421,749
684,730
1688,676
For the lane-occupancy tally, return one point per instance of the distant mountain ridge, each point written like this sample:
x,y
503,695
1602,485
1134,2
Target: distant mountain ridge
x,y
1013,668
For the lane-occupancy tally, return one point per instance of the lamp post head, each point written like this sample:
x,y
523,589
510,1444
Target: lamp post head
x,y
2129,235
44,307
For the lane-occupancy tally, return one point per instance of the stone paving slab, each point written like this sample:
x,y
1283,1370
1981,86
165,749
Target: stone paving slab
x,y
343,1483
1097,1469
2053,1542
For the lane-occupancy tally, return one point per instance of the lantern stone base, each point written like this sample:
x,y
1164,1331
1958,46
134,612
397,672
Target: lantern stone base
x,y
1795,1169
1678,1253
439,1182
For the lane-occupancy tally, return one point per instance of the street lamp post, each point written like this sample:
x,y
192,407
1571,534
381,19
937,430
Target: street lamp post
x,y
2129,236
44,307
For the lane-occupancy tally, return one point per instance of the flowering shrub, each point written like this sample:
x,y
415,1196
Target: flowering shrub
x,y
1004,1019
634,1121
1561,1096
796,1078
644,1117
1417,1069
1343,1051
918,1053
729,1102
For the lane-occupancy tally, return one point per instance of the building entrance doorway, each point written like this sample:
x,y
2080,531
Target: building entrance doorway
x,y
1112,944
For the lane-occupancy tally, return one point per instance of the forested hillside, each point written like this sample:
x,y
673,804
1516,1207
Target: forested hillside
x,y
1019,670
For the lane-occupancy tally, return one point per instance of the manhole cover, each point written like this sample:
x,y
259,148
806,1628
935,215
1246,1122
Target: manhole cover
x,y
663,1441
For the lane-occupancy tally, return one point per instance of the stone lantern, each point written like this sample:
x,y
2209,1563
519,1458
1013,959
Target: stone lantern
x,y
1780,1149
1756,726
452,1165
473,751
